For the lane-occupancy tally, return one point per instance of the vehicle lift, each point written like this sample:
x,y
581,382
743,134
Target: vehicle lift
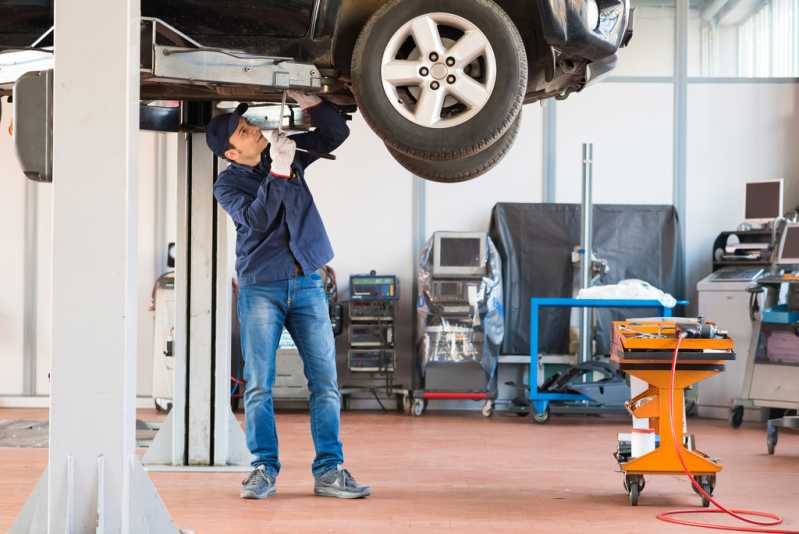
x,y
645,349
201,432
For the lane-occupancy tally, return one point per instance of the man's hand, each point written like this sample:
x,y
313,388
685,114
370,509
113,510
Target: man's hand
x,y
282,150
303,99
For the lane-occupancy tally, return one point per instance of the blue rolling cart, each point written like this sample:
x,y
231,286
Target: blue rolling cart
x,y
540,400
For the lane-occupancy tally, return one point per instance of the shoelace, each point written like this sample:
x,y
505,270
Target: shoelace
x,y
347,479
255,474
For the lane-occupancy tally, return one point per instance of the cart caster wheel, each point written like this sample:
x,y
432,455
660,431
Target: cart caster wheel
x,y
771,439
708,484
407,404
635,492
162,406
631,481
736,416
488,409
418,407
542,418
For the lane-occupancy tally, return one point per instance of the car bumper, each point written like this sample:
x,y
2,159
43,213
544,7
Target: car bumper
x,y
574,30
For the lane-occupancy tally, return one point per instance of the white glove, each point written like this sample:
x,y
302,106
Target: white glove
x,y
303,99
281,150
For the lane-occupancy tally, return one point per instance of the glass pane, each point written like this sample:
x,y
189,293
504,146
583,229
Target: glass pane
x,y
744,39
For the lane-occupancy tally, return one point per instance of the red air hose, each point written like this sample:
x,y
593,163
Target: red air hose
x,y
669,517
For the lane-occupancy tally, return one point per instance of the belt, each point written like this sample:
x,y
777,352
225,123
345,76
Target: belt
x,y
297,268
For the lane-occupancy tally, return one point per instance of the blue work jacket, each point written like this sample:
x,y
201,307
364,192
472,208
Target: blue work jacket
x,y
277,223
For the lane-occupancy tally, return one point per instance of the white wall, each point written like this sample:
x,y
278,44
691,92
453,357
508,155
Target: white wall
x,y
13,191
630,125
651,52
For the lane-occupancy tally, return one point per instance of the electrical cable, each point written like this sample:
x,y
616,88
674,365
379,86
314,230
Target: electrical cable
x,y
669,517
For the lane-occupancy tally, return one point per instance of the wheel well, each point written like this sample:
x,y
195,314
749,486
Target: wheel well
x,y
354,14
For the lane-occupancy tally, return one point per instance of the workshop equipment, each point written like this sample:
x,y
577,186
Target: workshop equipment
x,y
645,349
371,338
163,304
725,296
459,319
772,367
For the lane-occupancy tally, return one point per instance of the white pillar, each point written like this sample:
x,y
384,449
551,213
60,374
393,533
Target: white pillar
x,y
94,481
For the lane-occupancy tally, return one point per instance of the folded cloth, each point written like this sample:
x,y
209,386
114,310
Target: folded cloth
x,y
631,289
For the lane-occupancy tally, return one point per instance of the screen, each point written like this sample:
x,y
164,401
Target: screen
x,y
450,289
460,252
763,200
791,248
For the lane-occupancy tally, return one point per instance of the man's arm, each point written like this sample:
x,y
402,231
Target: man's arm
x,y
243,208
331,131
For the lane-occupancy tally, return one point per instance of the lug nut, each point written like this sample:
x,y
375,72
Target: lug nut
x,y
424,71
434,86
450,61
450,79
433,57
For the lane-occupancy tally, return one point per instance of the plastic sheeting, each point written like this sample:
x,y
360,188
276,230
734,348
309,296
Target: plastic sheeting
x,y
536,241
469,339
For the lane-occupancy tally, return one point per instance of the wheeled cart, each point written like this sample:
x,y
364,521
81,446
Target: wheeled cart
x,y
645,349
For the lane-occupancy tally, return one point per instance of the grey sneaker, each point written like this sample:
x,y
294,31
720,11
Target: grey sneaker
x,y
340,483
259,485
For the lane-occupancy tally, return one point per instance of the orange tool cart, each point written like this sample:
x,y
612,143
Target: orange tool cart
x,y
646,349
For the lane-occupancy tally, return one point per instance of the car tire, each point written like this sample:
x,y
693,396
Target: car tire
x,y
460,129
464,169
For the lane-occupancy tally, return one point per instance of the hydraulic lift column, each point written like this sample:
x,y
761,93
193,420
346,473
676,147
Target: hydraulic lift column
x,y
201,430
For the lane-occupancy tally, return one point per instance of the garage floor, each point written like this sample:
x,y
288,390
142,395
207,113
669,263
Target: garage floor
x,y
457,473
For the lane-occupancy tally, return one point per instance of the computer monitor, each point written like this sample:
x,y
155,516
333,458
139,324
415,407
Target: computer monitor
x,y
764,201
459,254
789,246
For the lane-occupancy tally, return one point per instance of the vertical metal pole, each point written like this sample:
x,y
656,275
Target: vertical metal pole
x,y
586,244
419,237
550,124
680,189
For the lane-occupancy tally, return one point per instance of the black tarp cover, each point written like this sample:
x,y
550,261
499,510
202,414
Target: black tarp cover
x,y
536,241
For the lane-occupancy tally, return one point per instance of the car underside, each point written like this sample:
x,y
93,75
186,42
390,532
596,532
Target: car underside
x,y
442,87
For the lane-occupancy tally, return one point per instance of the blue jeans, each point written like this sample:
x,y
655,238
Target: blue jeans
x,y
301,305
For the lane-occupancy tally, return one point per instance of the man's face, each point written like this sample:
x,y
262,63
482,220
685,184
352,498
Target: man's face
x,y
247,141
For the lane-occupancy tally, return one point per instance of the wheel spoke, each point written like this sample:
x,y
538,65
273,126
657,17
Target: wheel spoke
x,y
429,106
468,48
425,32
469,92
402,73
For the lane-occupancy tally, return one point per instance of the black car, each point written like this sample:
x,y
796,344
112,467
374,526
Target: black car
x,y
441,82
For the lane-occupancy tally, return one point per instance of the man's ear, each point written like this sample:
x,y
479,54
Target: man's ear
x,y
232,154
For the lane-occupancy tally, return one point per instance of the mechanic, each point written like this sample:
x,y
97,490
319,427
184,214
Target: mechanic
x,y
281,244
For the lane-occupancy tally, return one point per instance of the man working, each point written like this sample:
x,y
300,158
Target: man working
x,y
281,243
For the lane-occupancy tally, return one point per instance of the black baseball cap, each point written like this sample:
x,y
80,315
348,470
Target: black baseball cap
x,y
221,128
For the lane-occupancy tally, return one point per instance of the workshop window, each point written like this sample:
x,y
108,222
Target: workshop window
x,y
748,40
